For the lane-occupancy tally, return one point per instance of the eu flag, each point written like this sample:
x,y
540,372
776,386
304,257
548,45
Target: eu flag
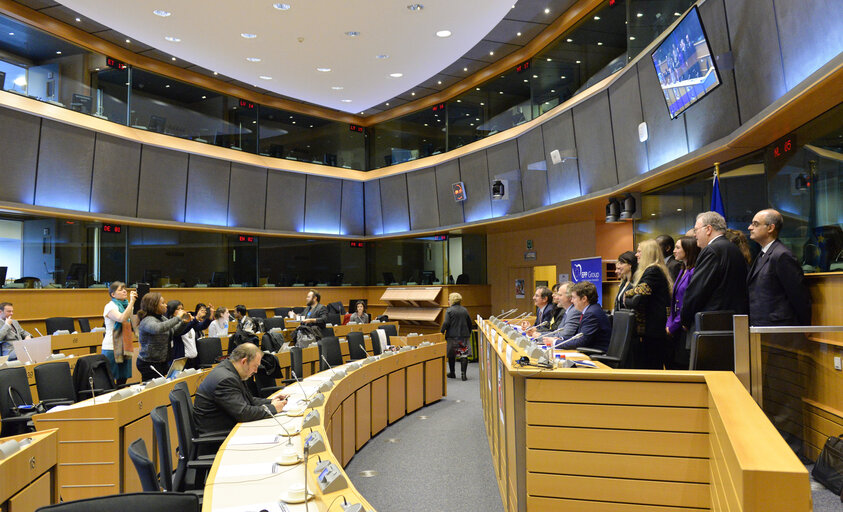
x,y
716,199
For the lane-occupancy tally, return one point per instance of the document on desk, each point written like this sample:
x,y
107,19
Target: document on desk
x,y
269,506
245,470
257,439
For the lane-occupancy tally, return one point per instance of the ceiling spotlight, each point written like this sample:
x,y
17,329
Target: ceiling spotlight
x,y
281,7
413,93
167,86
518,34
161,12
476,88
491,53
78,20
253,59
597,18
215,73
172,58
569,40
482,104
415,7
676,14
549,59
352,33
264,77
396,75
535,76
204,97
632,38
547,11
579,62
639,14
323,70
337,87
439,82
346,101
382,56
465,69
173,39
128,41
562,77
553,90
11,33
443,33
599,43
245,35
387,104
58,52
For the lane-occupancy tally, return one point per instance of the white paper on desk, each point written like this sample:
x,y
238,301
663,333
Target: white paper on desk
x,y
509,354
245,470
269,506
295,403
258,439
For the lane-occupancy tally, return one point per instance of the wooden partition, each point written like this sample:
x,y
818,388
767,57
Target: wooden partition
x,y
28,476
628,440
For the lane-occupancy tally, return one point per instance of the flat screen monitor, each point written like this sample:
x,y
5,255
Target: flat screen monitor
x,y
2,80
3,271
428,276
684,65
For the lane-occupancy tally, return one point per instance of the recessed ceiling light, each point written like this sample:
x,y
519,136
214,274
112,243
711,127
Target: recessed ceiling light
x,y
579,62
549,59
676,14
476,88
535,76
387,104
253,59
500,92
396,75
458,101
264,77
491,53
638,15
562,77
128,41
679,209
337,87
553,90
599,43
281,7
632,38
482,104
346,101
569,40
161,12
246,35
413,93
215,73
526,80
167,86
382,56
58,52
597,18
443,33
204,97
172,58
78,20
415,7
465,69
352,33
547,11
439,82
518,34
323,70
11,33
173,39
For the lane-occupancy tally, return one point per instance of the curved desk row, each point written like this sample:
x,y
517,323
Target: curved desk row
x,y
359,405
584,440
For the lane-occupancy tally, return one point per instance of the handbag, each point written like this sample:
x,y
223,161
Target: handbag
x,y
829,467
22,409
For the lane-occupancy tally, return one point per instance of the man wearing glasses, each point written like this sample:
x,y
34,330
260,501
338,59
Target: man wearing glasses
x,y
719,280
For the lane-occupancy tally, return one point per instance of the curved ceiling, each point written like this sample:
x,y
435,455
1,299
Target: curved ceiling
x,y
283,51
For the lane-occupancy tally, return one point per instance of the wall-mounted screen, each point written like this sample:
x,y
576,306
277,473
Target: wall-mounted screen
x,y
684,65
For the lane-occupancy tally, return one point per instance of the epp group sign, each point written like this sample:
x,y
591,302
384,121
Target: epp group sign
x,y
589,269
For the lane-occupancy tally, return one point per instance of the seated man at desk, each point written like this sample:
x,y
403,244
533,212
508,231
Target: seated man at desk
x,y
594,330
222,400
315,313
10,330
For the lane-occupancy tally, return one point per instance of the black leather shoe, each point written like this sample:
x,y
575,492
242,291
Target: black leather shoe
x,y
452,376
464,377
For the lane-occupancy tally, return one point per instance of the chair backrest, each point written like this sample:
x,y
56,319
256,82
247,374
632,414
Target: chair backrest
x,y
161,429
144,465
59,323
334,319
390,329
257,313
96,366
713,321
623,330
282,312
130,502
336,307
272,323
185,428
713,350
53,381
13,379
356,346
298,310
376,342
327,331
296,361
208,350
329,348
84,324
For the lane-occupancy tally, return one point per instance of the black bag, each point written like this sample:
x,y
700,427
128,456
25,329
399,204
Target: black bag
x,y
305,334
829,467
20,408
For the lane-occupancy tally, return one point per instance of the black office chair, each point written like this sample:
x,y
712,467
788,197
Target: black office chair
x,y
335,307
257,313
54,383
208,350
329,348
144,466
192,467
98,367
272,341
84,325
298,310
295,365
334,319
131,502
356,346
59,323
14,391
274,322
623,332
390,329
713,350
327,331
376,341
282,312
713,321
161,428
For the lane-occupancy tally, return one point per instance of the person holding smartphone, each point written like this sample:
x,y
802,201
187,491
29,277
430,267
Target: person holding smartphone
x,y
117,318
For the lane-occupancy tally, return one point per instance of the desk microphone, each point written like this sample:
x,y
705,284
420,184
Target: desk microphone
x,y
306,451
91,383
156,371
289,436
329,364
574,337
299,382
39,332
507,313
23,344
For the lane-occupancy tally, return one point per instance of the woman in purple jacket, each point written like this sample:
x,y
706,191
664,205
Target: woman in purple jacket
x,y
685,251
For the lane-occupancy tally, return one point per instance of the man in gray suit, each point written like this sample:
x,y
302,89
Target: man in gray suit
x,y
10,330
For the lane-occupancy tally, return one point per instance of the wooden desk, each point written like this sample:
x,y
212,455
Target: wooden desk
x,y
94,437
401,341
640,440
77,344
28,477
354,410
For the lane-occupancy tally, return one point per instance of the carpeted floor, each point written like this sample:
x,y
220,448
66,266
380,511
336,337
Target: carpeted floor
x,y
439,463
824,500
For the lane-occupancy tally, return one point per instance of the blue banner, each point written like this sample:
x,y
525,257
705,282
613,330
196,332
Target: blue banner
x,y
589,269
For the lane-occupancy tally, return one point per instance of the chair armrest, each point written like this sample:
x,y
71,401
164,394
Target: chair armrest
x,y
288,381
208,440
49,404
17,419
589,351
206,365
85,394
265,392
200,464
608,360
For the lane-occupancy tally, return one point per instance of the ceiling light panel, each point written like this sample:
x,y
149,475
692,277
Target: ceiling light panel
x,y
294,38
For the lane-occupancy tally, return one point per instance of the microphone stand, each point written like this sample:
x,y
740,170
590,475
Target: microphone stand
x,y
289,436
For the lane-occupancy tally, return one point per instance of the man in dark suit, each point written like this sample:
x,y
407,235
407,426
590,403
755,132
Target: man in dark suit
x,y
315,313
544,305
778,294
594,330
222,400
719,280
666,244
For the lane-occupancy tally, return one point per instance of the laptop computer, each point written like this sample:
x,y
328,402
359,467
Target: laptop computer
x,y
176,366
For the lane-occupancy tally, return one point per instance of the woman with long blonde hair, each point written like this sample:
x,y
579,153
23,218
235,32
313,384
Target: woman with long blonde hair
x,y
650,298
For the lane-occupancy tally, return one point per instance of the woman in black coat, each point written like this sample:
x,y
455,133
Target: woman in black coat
x,y
649,297
457,330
